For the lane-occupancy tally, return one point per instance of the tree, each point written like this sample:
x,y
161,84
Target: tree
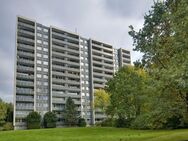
x,y
127,89
82,122
163,40
70,113
50,120
102,99
33,120
9,116
3,112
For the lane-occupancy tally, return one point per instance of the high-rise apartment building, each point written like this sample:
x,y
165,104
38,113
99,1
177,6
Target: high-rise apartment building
x,y
53,64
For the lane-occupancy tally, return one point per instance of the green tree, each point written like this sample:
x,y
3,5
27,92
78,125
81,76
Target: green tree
x,y
9,115
50,120
82,122
70,113
128,93
163,40
33,120
102,99
3,112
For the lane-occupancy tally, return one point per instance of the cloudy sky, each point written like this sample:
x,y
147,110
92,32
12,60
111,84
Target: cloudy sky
x,y
104,20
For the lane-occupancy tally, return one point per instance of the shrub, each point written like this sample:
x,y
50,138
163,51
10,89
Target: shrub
x,y
50,120
123,122
142,122
109,122
33,120
8,126
81,122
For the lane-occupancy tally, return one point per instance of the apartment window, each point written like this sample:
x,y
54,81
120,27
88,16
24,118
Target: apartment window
x,y
39,75
45,63
45,36
45,76
45,43
81,46
39,28
39,83
39,48
45,70
45,30
39,62
39,41
45,49
45,56
39,55
39,35
45,83
39,68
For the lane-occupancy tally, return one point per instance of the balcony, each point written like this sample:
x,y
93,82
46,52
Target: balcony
x,y
61,42
26,54
24,99
63,49
64,36
26,25
24,83
26,40
58,100
24,91
25,69
58,67
26,33
24,76
26,47
24,107
25,62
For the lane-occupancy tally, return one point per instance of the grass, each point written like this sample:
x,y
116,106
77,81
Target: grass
x,y
94,134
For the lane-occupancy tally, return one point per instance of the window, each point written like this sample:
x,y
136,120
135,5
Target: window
x,y
45,70
45,30
45,76
45,63
39,62
45,36
81,46
39,48
39,75
39,83
39,41
39,68
45,83
39,35
39,28
45,43
45,49
39,55
45,56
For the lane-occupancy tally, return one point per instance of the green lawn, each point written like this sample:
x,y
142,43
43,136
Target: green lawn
x,y
93,134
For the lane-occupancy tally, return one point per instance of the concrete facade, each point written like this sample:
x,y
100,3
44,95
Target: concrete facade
x,y
53,64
